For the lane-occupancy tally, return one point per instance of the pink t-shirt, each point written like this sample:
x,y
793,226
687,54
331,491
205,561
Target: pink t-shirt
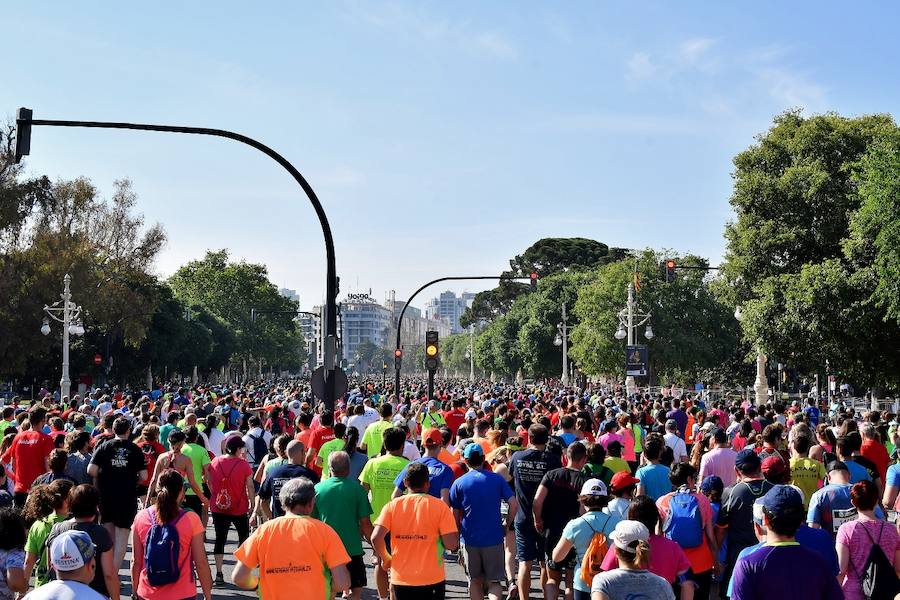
x,y
853,537
606,438
667,559
188,527
719,461
628,445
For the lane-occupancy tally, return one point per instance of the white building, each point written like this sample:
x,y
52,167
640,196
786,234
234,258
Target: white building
x,y
449,307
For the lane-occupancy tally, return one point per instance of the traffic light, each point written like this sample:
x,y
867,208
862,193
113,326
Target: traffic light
x,y
398,359
534,278
670,270
432,352
23,134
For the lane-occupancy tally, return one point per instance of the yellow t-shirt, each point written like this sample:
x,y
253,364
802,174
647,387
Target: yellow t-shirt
x,y
616,465
807,474
294,553
416,523
372,437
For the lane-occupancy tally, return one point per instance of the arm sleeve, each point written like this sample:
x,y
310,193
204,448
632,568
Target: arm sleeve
x,y
335,554
724,517
455,500
447,523
740,583
248,553
812,515
364,507
265,490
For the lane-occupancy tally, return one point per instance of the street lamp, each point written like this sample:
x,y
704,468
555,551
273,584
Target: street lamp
x,y
69,314
629,320
470,353
562,339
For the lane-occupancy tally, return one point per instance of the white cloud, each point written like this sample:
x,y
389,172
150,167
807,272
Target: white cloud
x,y
694,49
792,89
640,67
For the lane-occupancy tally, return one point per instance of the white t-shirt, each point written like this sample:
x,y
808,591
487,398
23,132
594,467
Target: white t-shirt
x,y
679,449
64,590
216,438
411,452
362,421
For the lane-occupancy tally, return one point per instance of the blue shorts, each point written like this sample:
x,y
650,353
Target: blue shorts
x,y
529,545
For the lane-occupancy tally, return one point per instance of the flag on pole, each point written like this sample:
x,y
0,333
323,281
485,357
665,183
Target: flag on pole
x,y
637,281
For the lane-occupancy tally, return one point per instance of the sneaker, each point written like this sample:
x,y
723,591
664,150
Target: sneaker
x,y
220,579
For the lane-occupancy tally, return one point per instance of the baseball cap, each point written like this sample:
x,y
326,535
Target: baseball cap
x,y
471,414
627,533
593,487
747,461
622,480
233,443
836,465
712,483
775,468
671,424
473,448
71,550
782,498
432,437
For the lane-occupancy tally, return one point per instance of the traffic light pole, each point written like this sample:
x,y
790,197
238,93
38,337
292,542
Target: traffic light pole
x,y
24,122
430,386
397,367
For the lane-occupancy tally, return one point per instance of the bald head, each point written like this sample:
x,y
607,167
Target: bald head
x,y
296,452
339,463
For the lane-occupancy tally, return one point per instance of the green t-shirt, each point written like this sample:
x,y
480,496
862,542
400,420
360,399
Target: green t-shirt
x,y
273,464
199,459
372,437
379,474
164,433
3,425
340,504
616,464
432,420
325,451
37,537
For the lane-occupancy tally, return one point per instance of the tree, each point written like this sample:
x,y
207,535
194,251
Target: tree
x,y
695,336
545,257
803,253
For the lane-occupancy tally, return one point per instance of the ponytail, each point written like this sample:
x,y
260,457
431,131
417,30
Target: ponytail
x,y
639,559
351,440
44,499
168,493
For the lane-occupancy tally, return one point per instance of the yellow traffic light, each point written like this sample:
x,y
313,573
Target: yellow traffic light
x,y
431,350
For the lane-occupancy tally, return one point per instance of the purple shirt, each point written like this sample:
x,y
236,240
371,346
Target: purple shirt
x,y
719,461
786,571
681,419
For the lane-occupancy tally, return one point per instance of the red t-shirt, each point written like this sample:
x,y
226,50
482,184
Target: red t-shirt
x,y
454,418
229,473
29,452
319,437
151,451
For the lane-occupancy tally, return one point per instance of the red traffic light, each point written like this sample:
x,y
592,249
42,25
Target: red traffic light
x,y
398,352
670,264
534,275
98,359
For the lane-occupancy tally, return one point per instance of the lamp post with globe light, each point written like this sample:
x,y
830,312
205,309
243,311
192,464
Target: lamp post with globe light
x,y
562,339
629,320
69,314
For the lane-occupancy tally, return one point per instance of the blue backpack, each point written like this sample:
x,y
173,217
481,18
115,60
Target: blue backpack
x,y
684,524
162,550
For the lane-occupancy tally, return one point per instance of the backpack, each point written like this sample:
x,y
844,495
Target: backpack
x,y
878,577
596,552
684,523
161,551
260,449
223,500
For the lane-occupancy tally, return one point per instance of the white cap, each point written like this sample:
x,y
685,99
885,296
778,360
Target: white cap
x,y
593,487
471,414
628,532
71,550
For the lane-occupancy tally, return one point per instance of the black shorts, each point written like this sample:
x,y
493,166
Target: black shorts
x,y
118,511
551,539
357,568
420,592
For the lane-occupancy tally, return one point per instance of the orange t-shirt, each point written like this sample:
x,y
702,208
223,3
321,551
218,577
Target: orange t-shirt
x,y
701,557
293,553
446,457
416,523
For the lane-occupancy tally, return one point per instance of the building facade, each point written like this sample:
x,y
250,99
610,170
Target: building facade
x,y
449,307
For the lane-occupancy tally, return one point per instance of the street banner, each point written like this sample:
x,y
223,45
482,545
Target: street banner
x,y
636,361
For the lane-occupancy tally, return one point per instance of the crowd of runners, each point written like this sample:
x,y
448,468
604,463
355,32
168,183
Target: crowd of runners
x,y
595,494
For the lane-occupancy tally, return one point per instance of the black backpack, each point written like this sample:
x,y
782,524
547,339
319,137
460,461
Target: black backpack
x,y
878,577
260,449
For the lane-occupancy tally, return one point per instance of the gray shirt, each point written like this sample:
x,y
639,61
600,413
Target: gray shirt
x,y
625,584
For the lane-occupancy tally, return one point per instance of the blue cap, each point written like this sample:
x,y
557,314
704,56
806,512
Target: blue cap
x,y
473,448
747,461
781,498
712,483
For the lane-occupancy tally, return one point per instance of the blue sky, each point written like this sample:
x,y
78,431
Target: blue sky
x,y
442,138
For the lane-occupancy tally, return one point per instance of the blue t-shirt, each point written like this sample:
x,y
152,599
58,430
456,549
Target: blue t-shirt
x,y
567,438
440,476
580,531
784,571
478,494
813,413
831,507
893,476
857,472
655,479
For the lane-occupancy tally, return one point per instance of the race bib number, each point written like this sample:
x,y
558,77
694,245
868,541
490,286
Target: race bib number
x,y
839,517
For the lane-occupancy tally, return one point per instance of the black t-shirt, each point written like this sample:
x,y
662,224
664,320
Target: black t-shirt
x,y
561,505
737,514
102,540
527,468
120,463
271,485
